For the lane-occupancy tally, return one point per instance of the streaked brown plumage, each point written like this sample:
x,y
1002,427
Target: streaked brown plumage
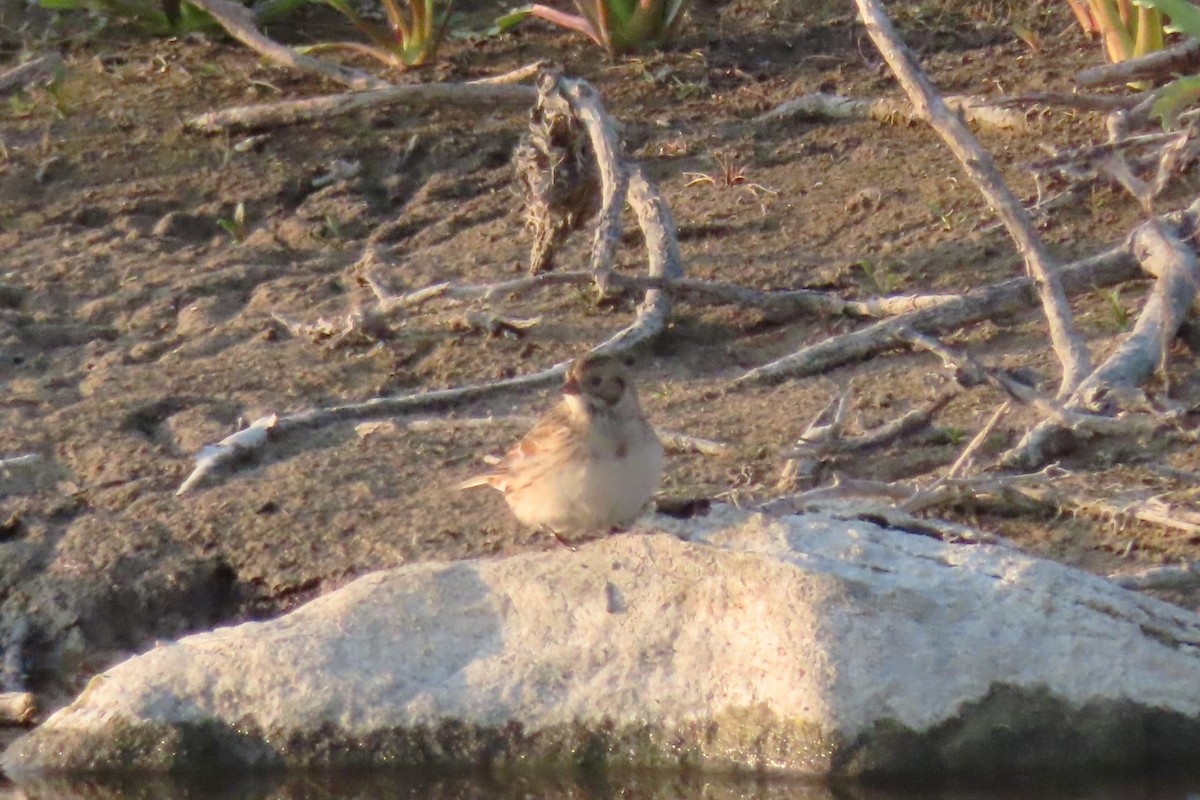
x,y
590,465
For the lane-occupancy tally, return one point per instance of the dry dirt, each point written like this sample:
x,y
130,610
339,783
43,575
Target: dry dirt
x,y
134,329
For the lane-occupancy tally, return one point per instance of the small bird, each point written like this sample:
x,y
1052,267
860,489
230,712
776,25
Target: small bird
x,y
589,466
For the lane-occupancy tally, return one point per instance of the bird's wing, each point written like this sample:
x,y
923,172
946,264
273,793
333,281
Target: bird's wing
x,y
543,447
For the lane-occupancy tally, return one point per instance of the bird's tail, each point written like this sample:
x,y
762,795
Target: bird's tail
x,y
478,480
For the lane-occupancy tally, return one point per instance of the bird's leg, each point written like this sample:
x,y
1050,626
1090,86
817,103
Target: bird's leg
x,y
558,538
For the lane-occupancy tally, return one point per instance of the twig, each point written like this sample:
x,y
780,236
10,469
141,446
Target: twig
x,y
16,708
1080,420
18,462
1179,578
239,22
32,70
1083,102
777,304
880,435
966,458
822,106
843,501
1184,57
980,167
947,491
230,449
614,174
1112,266
1161,254
1151,510
291,112
512,76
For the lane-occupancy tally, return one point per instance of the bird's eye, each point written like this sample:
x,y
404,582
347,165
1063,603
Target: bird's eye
x,y
594,381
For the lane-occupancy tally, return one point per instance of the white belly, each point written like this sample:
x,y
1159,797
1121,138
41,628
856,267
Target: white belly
x,y
607,490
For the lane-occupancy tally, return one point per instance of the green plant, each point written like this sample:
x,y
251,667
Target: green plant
x,y
1185,91
1127,33
882,281
412,36
235,227
1112,298
619,26
168,17
944,217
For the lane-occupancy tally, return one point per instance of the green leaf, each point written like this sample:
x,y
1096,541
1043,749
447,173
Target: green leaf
x,y
1174,97
1185,17
62,5
510,20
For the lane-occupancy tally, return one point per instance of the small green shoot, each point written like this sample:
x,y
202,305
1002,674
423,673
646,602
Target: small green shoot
x,y
881,281
412,37
944,217
1120,317
619,26
1185,91
235,227
331,228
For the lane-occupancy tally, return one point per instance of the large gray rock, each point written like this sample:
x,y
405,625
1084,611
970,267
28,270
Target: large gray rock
x,y
804,644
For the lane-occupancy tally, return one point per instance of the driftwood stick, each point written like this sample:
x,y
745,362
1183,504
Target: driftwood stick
x,y
980,167
966,458
890,110
32,70
614,174
1012,296
1184,57
849,500
879,436
1083,102
291,112
778,304
16,708
239,22
1163,255
1178,578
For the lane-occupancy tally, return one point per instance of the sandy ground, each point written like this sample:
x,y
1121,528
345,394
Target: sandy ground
x,y
134,328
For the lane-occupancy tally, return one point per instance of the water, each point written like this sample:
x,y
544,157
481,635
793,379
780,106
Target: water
x,y
385,785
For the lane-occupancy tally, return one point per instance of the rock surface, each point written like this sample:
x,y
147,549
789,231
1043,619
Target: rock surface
x,y
804,644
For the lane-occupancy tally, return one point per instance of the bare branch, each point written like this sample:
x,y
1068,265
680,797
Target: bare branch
x,y
614,176
777,304
1183,57
292,112
822,106
32,70
966,458
1083,102
16,708
1184,577
1009,297
239,22
1135,360
979,165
